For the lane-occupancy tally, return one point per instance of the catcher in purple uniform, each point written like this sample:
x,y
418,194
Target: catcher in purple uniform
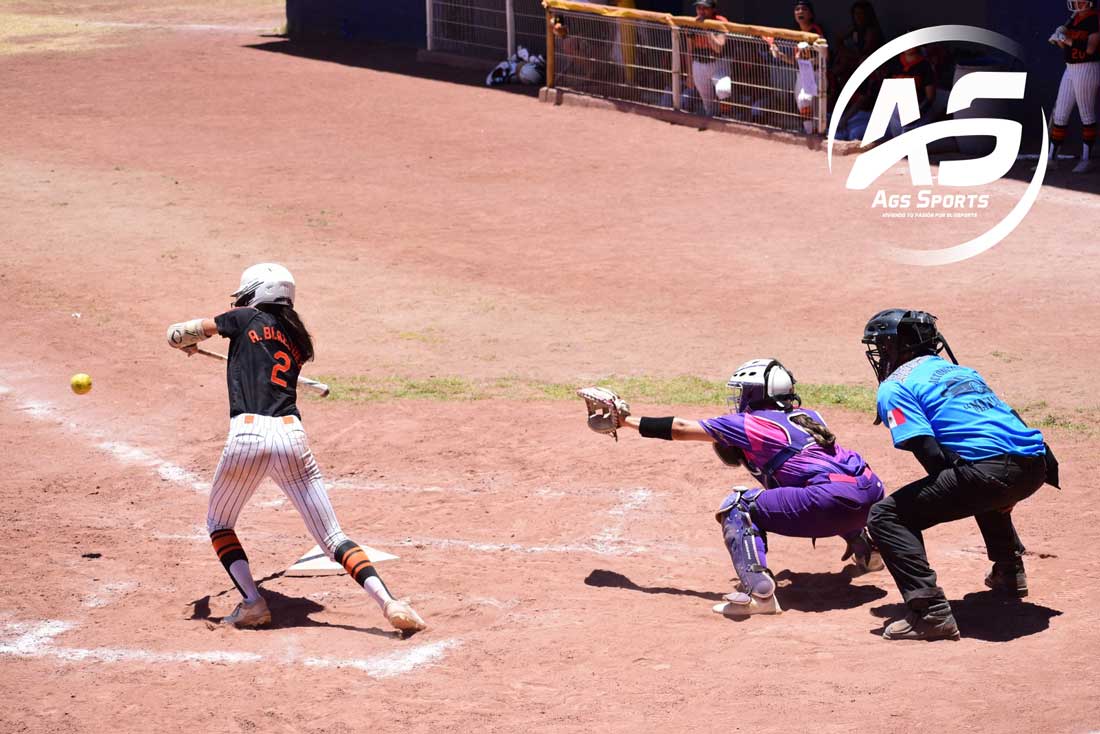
x,y
811,487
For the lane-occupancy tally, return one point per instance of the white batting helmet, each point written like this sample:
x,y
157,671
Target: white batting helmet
x,y
265,283
1079,6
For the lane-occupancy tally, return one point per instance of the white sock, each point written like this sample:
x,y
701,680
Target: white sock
x,y
373,586
242,574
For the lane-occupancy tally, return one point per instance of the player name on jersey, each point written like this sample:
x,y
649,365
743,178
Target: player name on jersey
x,y
270,333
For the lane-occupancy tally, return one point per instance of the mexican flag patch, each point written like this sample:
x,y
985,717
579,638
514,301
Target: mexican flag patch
x,y
895,418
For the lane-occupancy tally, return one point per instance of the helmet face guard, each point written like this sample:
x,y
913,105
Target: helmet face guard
x,y
1079,6
881,354
897,335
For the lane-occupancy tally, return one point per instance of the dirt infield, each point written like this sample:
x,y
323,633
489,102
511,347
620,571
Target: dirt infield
x,y
443,230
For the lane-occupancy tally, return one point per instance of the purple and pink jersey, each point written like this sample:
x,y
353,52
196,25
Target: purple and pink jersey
x,y
780,453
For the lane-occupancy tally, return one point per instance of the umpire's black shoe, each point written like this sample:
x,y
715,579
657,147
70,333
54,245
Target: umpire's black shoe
x,y
1008,577
924,622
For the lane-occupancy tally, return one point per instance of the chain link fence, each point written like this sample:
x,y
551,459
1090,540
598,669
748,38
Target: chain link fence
x,y
488,29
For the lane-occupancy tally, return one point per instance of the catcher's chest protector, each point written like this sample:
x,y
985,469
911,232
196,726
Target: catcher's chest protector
x,y
774,440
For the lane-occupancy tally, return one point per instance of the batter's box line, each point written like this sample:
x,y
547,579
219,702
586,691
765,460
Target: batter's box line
x,y
36,640
603,544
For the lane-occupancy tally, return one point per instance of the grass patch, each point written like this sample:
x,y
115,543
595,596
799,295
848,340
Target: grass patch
x,y
639,391
682,390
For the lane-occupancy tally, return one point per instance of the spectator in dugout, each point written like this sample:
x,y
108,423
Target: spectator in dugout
x,y
803,59
862,39
706,49
931,98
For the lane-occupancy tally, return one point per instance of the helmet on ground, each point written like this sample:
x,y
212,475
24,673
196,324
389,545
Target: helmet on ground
x,y
762,384
1079,6
265,283
897,335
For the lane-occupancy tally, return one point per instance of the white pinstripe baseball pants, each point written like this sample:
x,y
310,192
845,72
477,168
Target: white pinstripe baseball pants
x,y
1079,87
260,446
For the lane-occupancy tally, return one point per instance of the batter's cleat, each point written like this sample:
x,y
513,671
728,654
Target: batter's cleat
x,y
255,614
925,621
402,616
1007,578
1085,166
739,604
861,549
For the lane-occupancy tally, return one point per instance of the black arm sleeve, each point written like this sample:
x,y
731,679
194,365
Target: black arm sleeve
x,y
933,457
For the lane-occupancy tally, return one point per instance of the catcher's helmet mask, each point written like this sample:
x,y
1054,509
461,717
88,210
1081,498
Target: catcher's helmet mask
x,y
897,335
762,384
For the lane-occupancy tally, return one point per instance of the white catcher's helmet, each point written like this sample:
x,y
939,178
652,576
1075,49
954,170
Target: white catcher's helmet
x,y
762,383
1079,6
265,283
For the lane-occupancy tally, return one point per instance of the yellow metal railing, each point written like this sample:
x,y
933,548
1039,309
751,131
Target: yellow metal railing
x,y
772,77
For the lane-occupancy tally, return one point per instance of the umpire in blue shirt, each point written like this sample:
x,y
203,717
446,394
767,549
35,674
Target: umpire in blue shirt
x,y
981,460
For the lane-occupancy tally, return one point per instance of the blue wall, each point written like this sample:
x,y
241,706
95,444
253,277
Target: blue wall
x,y
396,21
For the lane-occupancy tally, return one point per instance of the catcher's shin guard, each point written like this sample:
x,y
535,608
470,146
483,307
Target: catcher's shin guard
x,y
746,547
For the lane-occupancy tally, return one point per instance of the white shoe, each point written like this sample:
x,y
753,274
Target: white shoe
x,y
1085,166
739,604
249,615
402,616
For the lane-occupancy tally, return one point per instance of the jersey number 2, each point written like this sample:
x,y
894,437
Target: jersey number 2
x,y
282,364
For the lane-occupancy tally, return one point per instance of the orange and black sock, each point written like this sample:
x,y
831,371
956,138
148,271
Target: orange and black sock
x,y
355,561
229,551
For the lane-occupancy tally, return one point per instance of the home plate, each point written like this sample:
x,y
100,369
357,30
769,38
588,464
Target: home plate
x,y
316,563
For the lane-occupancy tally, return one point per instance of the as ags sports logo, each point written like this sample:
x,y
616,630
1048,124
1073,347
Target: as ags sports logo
x,y
957,180
895,418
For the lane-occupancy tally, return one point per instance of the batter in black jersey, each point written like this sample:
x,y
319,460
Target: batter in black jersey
x,y
264,362
267,346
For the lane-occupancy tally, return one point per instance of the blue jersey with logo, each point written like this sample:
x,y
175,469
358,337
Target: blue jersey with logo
x,y
929,396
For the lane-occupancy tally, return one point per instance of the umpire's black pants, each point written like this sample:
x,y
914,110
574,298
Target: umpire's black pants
x,y
985,490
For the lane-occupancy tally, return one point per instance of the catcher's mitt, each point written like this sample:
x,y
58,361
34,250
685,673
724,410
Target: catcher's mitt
x,y
606,410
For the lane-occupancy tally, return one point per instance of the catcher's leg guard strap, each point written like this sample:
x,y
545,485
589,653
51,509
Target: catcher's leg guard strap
x,y
746,547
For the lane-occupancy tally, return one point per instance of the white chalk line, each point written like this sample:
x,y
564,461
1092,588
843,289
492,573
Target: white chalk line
x,y
36,640
607,542
166,470
124,453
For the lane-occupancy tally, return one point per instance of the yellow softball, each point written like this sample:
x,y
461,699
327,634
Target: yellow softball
x,y
80,383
